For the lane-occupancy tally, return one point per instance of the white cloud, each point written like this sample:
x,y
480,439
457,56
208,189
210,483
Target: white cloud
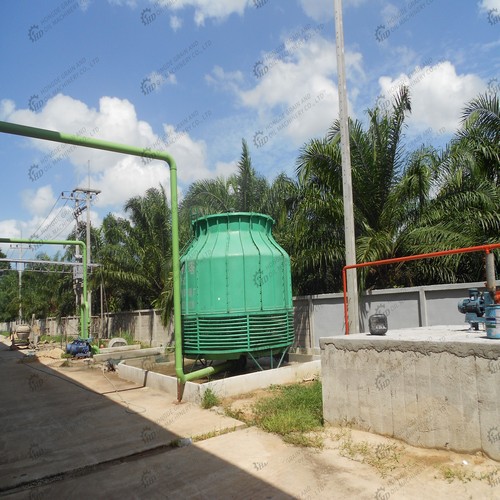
x,y
203,9
295,94
118,177
225,80
487,5
321,10
438,95
9,228
175,22
38,201
128,177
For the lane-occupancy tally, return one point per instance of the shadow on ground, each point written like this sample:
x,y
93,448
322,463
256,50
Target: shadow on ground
x,y
84,432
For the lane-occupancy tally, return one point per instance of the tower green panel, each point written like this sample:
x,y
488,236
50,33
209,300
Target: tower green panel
x,y
236,289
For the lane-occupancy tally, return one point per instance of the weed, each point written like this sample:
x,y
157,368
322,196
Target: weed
x,y
211,434
209,399
292,412
236,414
452,473
383,457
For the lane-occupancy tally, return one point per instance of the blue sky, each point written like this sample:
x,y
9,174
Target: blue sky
x,y
195,77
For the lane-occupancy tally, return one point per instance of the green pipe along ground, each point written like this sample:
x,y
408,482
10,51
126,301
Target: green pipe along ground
x,y
51,135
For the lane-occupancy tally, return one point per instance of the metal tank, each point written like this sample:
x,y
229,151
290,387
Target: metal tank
x,y
236,289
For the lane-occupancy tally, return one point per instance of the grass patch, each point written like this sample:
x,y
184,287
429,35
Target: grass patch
x,y
5,334
294,412
209,399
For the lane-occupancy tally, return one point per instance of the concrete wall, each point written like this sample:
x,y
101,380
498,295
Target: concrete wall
x,y
144,326
320,316
442,391
315,316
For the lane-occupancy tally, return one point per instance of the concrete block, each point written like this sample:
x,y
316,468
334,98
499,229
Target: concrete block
x,y
436,387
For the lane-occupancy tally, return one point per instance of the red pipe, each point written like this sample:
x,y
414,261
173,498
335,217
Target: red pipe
x,y
485,248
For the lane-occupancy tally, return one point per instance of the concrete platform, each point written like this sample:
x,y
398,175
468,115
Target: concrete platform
x,y
437,387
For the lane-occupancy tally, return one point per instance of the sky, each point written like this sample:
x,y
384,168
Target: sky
x,y
196,77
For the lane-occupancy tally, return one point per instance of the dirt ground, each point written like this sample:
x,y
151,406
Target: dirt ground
x,y
397,470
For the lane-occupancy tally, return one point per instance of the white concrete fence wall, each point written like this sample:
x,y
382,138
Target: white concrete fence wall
x,y
315,316
320,316
143,326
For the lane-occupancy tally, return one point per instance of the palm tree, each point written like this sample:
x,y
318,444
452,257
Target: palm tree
x,y
464,209
136,254
404,202
388,185
244,191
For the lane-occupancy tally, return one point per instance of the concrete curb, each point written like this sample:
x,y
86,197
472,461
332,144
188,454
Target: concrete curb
x,y
231,386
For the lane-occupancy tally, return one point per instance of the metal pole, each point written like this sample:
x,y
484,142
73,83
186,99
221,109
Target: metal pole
x,y
89,293
350,237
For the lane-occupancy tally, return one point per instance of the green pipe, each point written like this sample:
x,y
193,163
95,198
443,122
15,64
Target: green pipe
x,y
50,135
84,307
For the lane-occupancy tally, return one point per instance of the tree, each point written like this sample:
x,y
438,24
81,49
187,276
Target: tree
x,y
378,167
136,254
464,209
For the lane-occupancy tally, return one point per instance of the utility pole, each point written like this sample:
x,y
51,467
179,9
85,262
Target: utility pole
x,y
83,198
20,269
350,245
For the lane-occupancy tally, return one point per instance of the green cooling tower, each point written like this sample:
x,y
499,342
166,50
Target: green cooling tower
x,y
236,291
